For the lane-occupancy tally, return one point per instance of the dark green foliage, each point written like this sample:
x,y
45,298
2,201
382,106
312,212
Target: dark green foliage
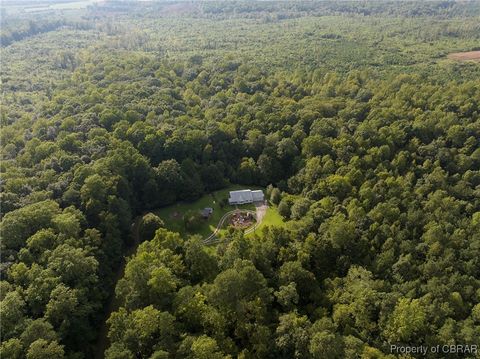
x,y
366,135
148,226
284,208
192,220
275,196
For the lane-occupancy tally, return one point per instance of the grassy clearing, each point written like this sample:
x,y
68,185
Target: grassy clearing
x,y
271,218
173,215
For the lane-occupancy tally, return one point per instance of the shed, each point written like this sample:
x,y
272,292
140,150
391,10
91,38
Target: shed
x,y
206,212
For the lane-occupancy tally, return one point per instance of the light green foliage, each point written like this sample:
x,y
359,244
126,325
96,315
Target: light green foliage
x,y
356,299
38,329
365,132
41,349
62,306
205,348
284,208
407,320
242,287
12,308
325,345
141,330
292,335
18,225
275,196
203,266
11,348
149,224
287,296
300,208
118,351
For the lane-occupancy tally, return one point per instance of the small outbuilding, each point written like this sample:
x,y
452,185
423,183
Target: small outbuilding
x,y
245,196
207,212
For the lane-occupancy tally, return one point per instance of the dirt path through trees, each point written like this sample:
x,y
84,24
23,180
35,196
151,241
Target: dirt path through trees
x,y
113,304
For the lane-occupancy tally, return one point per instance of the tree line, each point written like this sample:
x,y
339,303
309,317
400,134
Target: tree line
x,y
377,179
376,172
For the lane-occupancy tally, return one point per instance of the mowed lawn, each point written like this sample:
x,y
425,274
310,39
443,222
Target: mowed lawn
x,y
271,218
172,215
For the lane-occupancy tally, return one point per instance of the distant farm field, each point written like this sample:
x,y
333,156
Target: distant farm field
x,y
465,56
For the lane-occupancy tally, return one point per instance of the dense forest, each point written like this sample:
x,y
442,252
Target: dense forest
x,y
364,135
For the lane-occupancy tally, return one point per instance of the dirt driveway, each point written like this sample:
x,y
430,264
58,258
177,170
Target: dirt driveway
x,y
261,209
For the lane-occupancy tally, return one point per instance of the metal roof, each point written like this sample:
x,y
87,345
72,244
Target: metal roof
x,y
244,195
258,195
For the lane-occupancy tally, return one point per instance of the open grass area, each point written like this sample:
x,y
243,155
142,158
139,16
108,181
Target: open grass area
x,y
174,221
271,218
173,215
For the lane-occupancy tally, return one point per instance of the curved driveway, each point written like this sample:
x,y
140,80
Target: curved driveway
x,y
259,213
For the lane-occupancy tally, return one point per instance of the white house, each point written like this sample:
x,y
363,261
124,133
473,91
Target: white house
x,y
258,196
245,196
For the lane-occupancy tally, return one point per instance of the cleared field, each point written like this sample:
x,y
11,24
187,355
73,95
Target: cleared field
x,y
271,218
465,56
172,215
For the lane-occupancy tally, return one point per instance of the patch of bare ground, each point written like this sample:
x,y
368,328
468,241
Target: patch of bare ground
x,y
180,8
465,56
